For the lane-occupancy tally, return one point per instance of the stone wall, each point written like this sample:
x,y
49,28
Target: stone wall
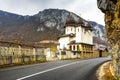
x,y
14,53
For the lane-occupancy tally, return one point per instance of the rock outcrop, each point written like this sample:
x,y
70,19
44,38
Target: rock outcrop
x,y
111,8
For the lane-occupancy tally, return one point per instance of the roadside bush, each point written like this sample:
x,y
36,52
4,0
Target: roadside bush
x,y
41,60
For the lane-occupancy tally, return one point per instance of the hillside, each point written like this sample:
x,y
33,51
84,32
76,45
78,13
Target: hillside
x,y
45,25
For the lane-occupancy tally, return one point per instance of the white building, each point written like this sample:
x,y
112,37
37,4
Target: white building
x,y
78,39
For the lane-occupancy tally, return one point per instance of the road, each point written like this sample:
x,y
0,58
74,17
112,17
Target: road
x,y
56,70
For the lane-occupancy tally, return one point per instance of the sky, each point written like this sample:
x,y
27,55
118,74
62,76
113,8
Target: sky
x,y
87,9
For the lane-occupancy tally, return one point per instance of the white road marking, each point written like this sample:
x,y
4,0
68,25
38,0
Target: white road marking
x,y
47,70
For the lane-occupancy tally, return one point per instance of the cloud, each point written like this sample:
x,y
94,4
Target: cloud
x,y
87,8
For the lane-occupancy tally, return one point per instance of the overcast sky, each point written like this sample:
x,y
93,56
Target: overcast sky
x,y
87,9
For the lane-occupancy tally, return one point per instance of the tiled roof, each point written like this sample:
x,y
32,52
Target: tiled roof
x,y
80,22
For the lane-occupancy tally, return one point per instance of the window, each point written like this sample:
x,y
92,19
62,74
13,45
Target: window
x,y
78,49
74,53
70,47
71,29
73,47
78,29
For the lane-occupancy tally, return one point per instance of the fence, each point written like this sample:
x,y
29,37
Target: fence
x,y
18,59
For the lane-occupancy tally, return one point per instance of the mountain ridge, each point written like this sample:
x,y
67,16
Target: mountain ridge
x,y
40,26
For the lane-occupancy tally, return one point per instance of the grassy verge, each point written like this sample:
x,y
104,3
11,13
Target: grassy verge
x,y
42,60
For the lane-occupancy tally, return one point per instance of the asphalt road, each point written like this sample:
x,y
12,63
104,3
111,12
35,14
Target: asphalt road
x,y
56,70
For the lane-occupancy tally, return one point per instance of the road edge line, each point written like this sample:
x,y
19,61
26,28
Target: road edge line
x,y
46,70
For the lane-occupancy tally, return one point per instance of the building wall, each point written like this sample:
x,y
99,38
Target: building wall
x,y
50,55
83,42
82,35
39,51
78,34
4,51
27,51
86,36
11,53
64,41
70,29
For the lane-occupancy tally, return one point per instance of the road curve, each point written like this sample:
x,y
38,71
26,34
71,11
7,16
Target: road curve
x,y
56,70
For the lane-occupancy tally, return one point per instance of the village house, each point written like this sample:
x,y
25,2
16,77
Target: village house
x,y
77,42
100,47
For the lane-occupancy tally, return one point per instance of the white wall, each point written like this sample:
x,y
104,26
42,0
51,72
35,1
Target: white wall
x,y
86,36
78,34
70,29
82,36
64,41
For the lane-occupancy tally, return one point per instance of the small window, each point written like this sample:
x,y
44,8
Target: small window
x,y
70,47
74,53
73,47
78,47
71,29
78,29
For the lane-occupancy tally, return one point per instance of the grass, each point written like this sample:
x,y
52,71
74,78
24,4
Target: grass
x,y
41,60
70,58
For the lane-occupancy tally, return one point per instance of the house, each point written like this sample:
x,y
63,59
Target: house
x,y
77,42
100,47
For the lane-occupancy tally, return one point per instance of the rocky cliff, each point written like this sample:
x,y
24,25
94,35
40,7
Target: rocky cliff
x,y
111,8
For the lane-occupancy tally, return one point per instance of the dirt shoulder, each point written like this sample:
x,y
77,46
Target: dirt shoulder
x,y
106,72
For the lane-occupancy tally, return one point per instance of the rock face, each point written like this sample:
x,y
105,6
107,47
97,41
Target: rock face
x,y
99,30
111,8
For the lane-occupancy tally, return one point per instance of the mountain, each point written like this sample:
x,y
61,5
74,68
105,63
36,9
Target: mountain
x,y
99,30
45,25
